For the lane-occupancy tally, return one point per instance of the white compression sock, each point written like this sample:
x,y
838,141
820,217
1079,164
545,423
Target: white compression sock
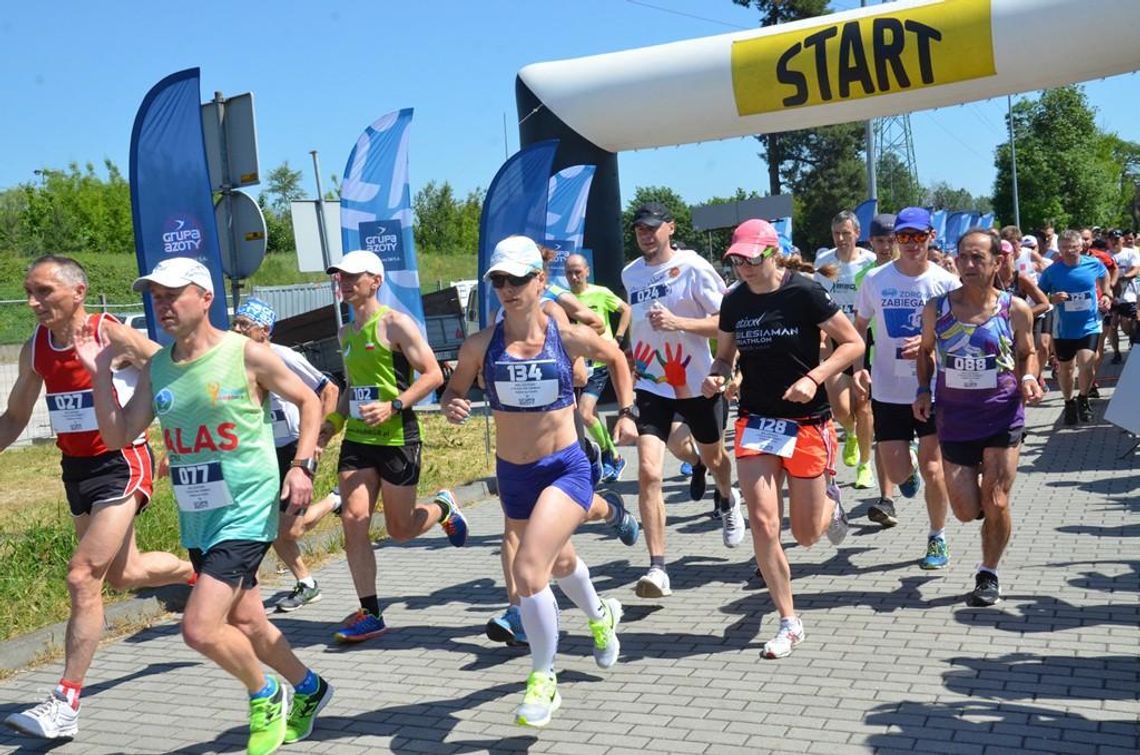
x,y
580,589
539,613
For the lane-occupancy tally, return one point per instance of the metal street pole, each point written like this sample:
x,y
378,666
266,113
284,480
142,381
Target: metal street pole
x,y
226,202
323,233
1013,162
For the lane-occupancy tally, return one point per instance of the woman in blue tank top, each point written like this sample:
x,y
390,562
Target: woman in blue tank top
x,y
978,342
543,474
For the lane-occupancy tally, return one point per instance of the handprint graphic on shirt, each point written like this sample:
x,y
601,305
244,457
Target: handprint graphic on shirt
x,y
675,370
643,356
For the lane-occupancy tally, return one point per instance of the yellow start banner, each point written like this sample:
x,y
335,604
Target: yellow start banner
x,y
887,52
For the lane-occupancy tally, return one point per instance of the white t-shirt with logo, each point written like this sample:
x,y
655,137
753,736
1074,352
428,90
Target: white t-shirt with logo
x,y
1025,267
286,416
843,288
1126,258
671,364
893,302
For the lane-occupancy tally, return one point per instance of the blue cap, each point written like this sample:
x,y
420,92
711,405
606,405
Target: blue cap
x,y
913,218
257,311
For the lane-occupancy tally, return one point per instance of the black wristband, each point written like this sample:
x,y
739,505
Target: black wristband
x,y
626,411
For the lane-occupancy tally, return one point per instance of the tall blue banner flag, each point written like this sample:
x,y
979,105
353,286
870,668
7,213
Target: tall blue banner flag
x,y
173,211
783,228
566,218
515,205
938,220
376,210
865,212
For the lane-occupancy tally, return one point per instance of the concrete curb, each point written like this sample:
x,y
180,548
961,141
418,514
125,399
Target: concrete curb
x,y
149,605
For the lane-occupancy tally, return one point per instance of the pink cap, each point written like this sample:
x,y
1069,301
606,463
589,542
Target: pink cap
x,y
1006,247
752,237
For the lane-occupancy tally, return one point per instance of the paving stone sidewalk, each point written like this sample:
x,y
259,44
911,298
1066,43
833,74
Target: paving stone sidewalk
x,y
893,660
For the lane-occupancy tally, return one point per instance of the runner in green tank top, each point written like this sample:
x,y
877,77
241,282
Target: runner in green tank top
x,y
380,456
210,391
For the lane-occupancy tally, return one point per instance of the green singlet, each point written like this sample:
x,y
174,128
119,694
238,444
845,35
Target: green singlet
x,y
603,302
377,373
223,465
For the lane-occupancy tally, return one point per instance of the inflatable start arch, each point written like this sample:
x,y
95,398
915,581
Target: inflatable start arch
x,y
860,64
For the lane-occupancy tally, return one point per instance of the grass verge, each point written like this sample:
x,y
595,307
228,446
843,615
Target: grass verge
x,y
37,536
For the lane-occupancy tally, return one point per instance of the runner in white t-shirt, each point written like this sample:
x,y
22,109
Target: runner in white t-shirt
x,y
853,413
1127,259
675,295
893,297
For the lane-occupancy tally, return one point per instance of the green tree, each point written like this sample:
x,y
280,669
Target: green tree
x,y
1126,156
282,187
684,236
713,243
445,224
898,187
1065,166
828,176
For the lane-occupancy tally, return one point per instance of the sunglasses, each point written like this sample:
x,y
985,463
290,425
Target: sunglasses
x,y
736,260
516,281
911,237
242,325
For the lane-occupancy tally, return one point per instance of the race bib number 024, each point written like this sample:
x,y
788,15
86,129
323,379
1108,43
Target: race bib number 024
x,y
770,436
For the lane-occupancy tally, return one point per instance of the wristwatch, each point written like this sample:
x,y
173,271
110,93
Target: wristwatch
x,y
308,466
626,411
397,405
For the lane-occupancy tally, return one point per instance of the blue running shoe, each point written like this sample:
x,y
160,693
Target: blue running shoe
x,y
616,468
624,524
937,554
361,627
910,486
507,628
686,469
454,524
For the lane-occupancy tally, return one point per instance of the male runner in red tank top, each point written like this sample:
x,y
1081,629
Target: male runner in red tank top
x,y
105,488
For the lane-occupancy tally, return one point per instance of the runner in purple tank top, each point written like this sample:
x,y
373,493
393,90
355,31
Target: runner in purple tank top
x,y
978,342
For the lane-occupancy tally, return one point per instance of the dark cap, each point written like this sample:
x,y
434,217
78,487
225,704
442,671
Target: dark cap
x,y
1115,233
882,224
652,214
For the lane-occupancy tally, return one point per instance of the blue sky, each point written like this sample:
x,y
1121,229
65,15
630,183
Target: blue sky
x,y
73,77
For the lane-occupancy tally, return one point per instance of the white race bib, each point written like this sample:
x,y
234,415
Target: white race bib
x,y
280,426
904,368
770,436
527,384
200,487
971,373
72,412
359,395
1081,302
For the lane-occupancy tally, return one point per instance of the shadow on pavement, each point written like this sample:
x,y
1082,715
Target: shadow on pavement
x,y
1047,614
977,725
1027,676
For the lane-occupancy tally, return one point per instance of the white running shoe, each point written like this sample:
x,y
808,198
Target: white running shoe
x,y
606,643
791,634
837,530
732,522
54,718
655,584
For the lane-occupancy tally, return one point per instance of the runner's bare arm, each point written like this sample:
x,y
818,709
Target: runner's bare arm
x,y
128,343
924,363
582,342
579,312
623,321
21,399
404,332
456,408
720,371
1021,317
862,374
119,426
1036,295
849,348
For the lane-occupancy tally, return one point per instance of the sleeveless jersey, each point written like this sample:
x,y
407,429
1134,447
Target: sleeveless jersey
x,y
541,383
70,402
223,465
977,394
376,373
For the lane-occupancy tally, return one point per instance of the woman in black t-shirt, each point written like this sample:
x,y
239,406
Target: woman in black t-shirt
x,y
774,320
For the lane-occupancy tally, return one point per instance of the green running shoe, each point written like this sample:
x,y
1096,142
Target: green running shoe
x,y
304,711
606,644
851,449
864,477
540,701
267,722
